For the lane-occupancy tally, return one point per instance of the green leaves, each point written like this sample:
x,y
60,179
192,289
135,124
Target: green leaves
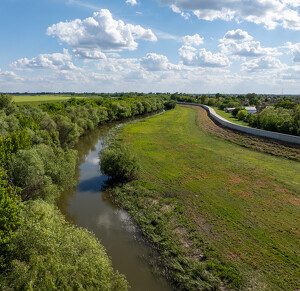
x,y
9,211
51,254
11,144
118,162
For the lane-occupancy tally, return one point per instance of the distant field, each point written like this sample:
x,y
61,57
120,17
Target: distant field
x,y
41,98
229,117
245,203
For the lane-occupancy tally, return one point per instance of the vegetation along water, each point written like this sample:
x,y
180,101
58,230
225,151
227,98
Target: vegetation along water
x,y
220,209
39,249
222,215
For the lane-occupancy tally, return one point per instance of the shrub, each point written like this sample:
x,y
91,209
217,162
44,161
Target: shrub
x,y
236,111
242,114
118,162
170,104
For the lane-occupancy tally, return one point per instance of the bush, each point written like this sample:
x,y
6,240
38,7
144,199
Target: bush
x,y
170,104
236,111
51,254
242,114
118,162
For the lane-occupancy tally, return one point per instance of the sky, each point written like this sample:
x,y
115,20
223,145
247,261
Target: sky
x,y
188,46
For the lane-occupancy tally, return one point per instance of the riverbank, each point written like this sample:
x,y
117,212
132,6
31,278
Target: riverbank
x,y
39,249
87,206
197,200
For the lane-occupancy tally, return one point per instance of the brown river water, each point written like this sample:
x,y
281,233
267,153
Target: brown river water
x,y
86,206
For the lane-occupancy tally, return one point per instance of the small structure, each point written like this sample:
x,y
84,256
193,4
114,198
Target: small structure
x,y
251,110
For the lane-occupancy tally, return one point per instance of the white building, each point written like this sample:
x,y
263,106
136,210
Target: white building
x,y
251,110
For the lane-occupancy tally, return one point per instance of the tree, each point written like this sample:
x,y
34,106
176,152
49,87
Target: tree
x,y
170,104
118,162
51,254
236,111
242,114
10,205
7,104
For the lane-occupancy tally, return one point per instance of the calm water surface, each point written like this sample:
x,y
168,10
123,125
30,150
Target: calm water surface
x,y
87,207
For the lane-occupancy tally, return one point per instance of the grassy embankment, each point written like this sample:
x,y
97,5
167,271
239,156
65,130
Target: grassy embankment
x,y
203,199
229,116
37,99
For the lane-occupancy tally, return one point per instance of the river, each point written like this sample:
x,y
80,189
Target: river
x,y
86,206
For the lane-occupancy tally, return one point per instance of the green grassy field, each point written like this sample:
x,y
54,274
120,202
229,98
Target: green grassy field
x,y
243,203
25,99
229,117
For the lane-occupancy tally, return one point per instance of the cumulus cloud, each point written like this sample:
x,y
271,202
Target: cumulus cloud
x,y
262,64
155,62
101,32
247,49
131,2
236,35
240,44
92,54
294,51
271,13
61,61
195,39
202,58
9,76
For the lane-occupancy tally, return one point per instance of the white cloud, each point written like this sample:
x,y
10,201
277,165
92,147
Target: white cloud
x,y
238,43
236,35
131,2
293,3
155,62
177,10
262,64
247,49
61,61
195,39
294,51
9,76
271,13
210,15
112,65
202,58
92,54
291,73
100,32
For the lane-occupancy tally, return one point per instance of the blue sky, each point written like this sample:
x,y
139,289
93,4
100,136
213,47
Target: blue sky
x,y
191,46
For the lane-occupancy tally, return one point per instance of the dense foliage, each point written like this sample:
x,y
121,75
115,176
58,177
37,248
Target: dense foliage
x,y
118,162
50,254
39,250
9,215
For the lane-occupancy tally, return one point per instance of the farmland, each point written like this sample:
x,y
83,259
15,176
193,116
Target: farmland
x,y
217,199
29,99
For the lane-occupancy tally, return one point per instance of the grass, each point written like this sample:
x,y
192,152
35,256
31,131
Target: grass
x,y
25,99
224,202
229,117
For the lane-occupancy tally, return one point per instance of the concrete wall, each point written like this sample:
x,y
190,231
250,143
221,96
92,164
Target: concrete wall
x,y
270,134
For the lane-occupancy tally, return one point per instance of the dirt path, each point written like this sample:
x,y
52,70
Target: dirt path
x,y
250,141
